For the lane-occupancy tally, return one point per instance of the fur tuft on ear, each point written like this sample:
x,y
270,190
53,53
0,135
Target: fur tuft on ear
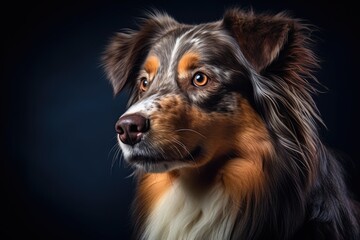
x,y
127,50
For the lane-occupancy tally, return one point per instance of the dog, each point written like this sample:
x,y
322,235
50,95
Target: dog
x,y
222,130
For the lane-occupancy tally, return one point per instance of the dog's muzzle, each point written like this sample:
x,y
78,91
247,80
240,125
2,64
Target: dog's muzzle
x,y
131,128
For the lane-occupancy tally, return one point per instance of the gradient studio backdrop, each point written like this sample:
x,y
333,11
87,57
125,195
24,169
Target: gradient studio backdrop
x,y
58,111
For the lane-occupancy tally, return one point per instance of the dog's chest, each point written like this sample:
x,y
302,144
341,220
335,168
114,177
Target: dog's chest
x,y
178,215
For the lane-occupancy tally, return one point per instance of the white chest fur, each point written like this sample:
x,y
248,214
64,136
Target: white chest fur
x,y
179,215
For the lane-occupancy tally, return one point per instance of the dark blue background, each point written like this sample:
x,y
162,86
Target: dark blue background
x,y
58,111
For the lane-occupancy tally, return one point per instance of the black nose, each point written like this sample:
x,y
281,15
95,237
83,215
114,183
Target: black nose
x,y
131,128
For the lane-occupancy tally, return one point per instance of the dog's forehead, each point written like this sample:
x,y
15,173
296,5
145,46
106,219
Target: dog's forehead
x,y
201,39
183,51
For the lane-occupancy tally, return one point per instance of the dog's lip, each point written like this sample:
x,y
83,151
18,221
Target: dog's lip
x,y
195,153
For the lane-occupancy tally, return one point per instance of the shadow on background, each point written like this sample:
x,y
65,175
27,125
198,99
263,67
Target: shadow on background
x,y
58,141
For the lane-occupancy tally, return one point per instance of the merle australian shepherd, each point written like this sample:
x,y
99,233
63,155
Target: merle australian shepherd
x,y
222,131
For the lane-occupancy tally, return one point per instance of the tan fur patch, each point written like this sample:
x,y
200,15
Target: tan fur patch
x,y
152,65
244,176
241,178
187,62
150,189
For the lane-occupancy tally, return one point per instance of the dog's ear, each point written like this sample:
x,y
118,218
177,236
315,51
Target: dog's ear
x,y
261,37
126,51
279,49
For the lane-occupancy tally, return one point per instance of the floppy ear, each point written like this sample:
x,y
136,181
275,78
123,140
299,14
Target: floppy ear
x,y
262,38
126,51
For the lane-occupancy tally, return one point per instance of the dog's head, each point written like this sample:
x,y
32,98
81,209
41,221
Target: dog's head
x,y
202,92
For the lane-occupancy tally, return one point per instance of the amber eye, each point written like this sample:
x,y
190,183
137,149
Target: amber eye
x,y
200,79
144,84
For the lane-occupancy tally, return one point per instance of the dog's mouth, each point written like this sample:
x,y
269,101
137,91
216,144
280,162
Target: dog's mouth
x,y
159,157
166,160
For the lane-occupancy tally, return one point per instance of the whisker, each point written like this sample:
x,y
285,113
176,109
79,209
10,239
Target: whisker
x,y
190,130
115,149
177,149
172,145
131,175
162,152
184,147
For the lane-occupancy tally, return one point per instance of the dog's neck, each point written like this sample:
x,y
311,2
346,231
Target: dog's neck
x,y
199,179
187,211
195,200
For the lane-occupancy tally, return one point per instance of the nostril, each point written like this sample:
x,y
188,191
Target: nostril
x,y
134,128
119,128
146,126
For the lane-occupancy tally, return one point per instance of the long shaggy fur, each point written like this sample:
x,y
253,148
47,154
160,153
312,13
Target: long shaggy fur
x,y
303,193
303,170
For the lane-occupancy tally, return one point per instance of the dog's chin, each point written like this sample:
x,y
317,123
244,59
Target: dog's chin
x,y
155,162
160,167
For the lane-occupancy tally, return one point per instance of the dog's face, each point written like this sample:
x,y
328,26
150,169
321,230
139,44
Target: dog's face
x,y
191,89
187,90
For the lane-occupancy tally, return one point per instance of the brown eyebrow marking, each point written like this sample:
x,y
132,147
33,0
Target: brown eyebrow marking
x,y
187,62
152,65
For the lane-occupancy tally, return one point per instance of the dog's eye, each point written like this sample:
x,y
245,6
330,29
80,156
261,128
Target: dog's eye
x,y
144,84
200,79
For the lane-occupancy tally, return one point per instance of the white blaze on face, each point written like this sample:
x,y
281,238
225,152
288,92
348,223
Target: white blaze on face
x,y
144,107
175,54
